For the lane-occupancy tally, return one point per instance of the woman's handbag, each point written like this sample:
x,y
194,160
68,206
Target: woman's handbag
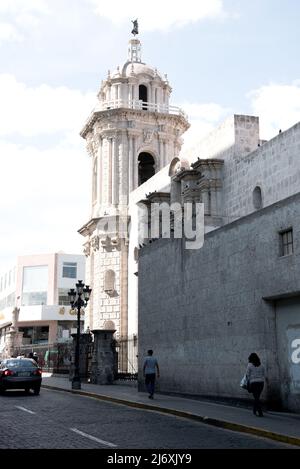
x,y
245,383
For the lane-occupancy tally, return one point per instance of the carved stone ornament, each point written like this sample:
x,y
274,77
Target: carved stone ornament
x,y
92,146
87,249
95,243
148,136
110,242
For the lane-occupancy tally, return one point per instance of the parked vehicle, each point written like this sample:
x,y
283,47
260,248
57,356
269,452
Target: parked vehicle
x,y
20,373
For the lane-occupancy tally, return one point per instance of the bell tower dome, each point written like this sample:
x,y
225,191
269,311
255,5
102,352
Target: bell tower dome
x,y
132,133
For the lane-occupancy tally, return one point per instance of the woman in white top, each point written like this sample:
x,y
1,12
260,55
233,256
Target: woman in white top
x,y
255,374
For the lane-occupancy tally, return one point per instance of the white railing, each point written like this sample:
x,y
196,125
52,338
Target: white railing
x,y
140,105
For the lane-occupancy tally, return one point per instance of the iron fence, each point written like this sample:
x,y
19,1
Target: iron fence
x,y
54,358
127,357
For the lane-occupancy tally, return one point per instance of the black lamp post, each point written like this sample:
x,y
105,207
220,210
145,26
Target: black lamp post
x,y
78,299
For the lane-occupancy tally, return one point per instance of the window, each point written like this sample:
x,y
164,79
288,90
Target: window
x,y
63,297
257,198
143,96
146,167
70,270
286,242
35,334
35,285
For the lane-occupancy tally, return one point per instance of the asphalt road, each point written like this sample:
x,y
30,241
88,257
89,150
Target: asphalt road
x,y
61,420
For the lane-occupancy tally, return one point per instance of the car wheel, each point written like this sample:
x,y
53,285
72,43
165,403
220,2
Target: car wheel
x,y
36,390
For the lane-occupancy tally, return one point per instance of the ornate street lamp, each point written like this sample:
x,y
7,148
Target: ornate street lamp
x,y
78,299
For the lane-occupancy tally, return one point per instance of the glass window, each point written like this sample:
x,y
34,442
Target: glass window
x,y
35,334
35,285
287,244
63,297
70,270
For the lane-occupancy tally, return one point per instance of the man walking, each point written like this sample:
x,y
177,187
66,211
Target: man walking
x,y
149,371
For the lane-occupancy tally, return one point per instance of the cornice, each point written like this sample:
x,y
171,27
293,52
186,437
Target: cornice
x,y
131,114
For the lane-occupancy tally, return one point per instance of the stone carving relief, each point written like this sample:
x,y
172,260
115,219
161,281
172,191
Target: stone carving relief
x,y
95,243
148,136
87,249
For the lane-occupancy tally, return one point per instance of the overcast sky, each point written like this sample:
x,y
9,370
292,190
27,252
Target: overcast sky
x,y
221,57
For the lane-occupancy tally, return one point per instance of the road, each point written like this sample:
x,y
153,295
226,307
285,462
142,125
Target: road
x,y
62,420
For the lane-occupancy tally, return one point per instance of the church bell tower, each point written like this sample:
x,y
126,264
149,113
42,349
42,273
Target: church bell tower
x,y
131,135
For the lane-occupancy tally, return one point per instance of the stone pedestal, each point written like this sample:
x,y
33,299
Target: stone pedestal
x,y
103,359
84,348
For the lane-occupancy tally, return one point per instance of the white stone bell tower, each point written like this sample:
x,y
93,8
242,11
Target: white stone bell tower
x,y
131,134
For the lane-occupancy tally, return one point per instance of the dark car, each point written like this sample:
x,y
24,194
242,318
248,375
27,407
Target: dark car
x,y
20,373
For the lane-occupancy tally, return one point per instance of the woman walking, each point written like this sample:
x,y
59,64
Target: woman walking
x,y
255,374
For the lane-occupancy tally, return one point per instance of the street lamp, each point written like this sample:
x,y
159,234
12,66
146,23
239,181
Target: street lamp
x,y
78,298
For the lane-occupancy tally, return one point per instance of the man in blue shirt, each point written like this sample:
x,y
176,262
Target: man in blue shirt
x,y
149,371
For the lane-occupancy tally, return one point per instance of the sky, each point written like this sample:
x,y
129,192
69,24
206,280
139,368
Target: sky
x,y
221,57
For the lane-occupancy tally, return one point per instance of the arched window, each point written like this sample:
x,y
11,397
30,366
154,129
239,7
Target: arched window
x,y
257,198
109,281
146,167
143,95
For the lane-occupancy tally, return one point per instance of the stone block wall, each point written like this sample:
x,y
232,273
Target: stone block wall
x,y
203,311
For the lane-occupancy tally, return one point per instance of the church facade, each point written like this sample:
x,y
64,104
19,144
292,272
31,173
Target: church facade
x,y
213,306
132,134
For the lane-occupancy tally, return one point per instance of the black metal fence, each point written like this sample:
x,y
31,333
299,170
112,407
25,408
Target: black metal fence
x,y
54,358
57,358
127,350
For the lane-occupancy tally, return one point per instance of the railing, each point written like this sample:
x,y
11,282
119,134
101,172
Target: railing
x,y
127,358
54,358
141,106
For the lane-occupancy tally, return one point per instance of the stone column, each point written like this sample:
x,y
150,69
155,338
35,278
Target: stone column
x,y
84,344
130,163
103,359
100,172
175,191
123,171
205,195
165,158
110,173
135,164
116,171
213,199
113,171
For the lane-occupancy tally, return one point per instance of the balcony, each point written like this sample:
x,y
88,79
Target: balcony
x,y
140,106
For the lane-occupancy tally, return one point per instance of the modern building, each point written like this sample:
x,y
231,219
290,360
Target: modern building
x,y
34,298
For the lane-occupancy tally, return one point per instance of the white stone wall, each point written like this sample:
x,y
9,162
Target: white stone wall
x,y
105,307
274,166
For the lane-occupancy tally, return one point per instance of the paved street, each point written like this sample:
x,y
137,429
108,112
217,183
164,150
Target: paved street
x,y
59,420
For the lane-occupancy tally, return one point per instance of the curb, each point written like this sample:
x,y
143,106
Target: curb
x,y
237,427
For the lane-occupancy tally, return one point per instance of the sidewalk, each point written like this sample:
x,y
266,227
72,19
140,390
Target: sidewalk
x,y
284,427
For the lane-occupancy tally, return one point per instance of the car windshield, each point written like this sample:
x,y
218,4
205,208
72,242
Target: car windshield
x,y
22,363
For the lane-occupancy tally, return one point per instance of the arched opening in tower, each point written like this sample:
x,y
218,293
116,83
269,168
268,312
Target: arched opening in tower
x,y
143,95
146,167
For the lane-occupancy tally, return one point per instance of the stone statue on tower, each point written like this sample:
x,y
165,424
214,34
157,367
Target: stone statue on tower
x,y
135,30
